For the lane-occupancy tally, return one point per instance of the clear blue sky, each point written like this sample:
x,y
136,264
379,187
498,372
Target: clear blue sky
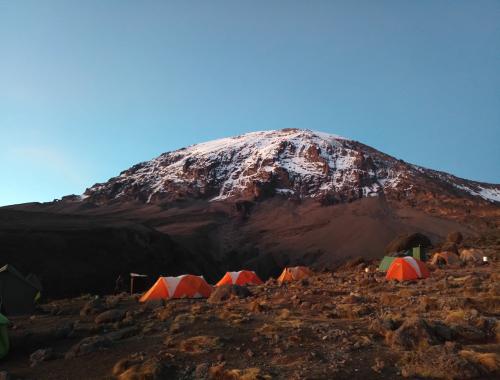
x,y
89,88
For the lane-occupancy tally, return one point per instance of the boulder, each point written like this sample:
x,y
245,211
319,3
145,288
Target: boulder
x,y
109,316
41,355
449,246
137,366
405,242
92,307
225,292
455,237
122,334
153,304
88,345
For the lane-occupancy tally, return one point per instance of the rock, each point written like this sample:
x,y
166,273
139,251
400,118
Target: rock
x,y
443,331
154,304
449,247
64,330
92,307
469,334
455,237
405,242
109,316
225,292
181,322
379,365
137,367
88,345
41,355
256,306
112,301
122,334
200,344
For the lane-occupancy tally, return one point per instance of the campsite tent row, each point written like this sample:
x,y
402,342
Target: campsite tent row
x,y
191,286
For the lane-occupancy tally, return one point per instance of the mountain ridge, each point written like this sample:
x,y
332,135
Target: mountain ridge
x,y
294,163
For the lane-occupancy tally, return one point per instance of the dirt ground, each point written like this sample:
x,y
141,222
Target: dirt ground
x,y
344,325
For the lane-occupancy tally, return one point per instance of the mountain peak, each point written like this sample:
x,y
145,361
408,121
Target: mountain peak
x,y
292,163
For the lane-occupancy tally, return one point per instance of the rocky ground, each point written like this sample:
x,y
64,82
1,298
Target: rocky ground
x,y
344,325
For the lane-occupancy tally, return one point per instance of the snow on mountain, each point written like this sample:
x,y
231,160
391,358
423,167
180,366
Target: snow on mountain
x,y
292,163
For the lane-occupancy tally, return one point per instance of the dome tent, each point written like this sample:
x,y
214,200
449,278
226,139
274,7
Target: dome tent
x,y
407,268
242,277
185,286
294,274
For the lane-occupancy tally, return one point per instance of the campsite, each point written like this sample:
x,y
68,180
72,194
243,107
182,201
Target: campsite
x,y
413,319
249,190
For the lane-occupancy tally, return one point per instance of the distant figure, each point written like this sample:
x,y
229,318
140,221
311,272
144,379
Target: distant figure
x,y
119,284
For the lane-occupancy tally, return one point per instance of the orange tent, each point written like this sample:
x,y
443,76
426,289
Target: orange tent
x,y
294,274
185,286
243,277
407,268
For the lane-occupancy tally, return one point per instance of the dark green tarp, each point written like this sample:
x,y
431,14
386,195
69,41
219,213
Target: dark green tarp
x,y
386,263
4,338
419,253
17,294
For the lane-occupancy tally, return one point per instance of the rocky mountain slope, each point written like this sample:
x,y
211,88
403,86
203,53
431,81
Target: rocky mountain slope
x,y
292,163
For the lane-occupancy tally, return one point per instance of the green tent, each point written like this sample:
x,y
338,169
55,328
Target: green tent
x,y
17,294
4,338
386,263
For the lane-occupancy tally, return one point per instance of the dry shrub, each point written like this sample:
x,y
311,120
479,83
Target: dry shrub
x,y
181,322
352,311
137,367
456,316
414,333
257,306
427,303
200,344
219,373
489,362
233,317
283,314
441,361
387,299
487,304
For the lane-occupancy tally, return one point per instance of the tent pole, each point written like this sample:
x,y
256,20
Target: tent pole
x,y
131,285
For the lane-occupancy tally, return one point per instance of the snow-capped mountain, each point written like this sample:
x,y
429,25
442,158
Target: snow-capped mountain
x,y
292,163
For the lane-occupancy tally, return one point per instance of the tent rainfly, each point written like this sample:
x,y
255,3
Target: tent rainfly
x,y
294,274
185,286
406,269
243,277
